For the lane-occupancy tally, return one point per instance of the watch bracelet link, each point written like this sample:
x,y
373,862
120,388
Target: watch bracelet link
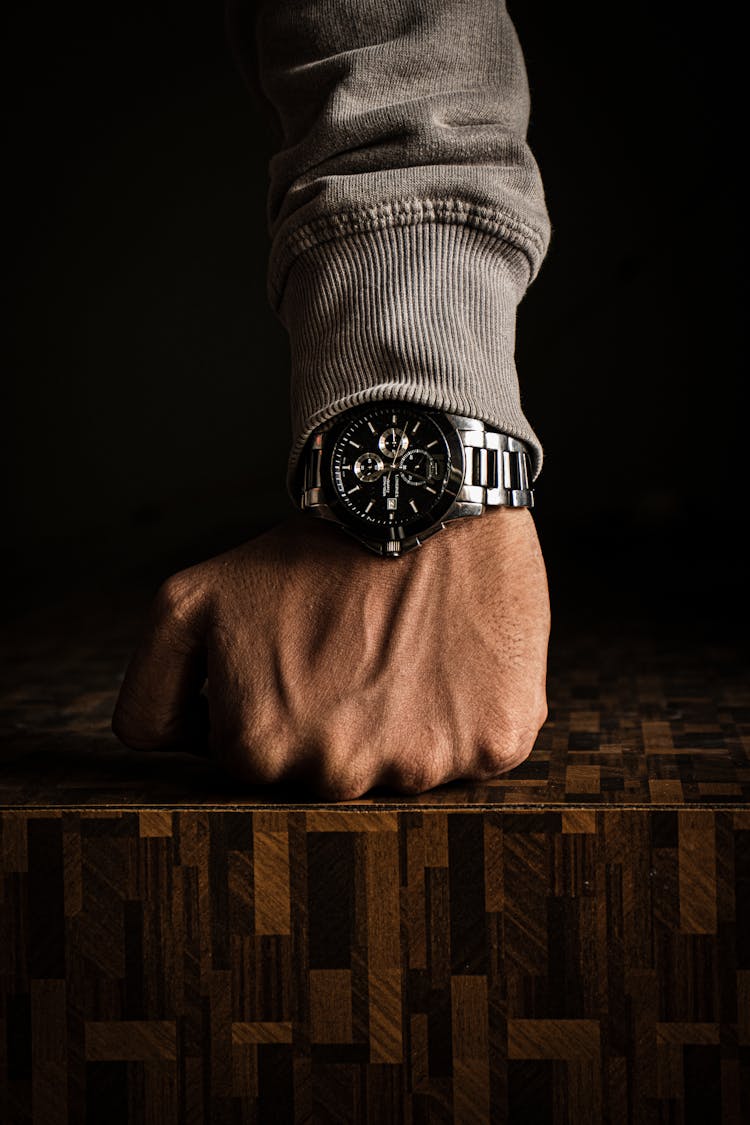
x,y
312,492
497,468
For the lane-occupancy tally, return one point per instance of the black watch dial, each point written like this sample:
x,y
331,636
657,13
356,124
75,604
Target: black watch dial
x,y
393,469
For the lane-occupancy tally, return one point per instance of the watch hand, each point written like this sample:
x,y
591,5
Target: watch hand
x,y
403,448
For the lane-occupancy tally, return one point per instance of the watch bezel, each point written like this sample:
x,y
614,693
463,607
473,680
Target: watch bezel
x,y
394,531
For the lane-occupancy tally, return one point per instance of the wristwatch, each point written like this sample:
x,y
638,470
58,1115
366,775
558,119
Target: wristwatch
x,y
393,473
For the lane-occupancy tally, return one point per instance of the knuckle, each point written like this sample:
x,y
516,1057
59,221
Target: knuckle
x,y
170,596
512,729
177,597
495,754
522,745
525,740
250,746
247,764
335,778
490,758
341,787
414,777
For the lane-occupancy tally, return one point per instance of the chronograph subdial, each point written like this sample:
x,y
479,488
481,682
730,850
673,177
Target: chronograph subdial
x,y
393,442
368,467
417,467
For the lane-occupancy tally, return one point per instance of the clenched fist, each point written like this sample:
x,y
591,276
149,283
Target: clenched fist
x,y
329,666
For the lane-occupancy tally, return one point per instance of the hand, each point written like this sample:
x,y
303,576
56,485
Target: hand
x,y
335,668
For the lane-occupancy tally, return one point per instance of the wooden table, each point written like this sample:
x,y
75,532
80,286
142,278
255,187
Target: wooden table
x,y
569,943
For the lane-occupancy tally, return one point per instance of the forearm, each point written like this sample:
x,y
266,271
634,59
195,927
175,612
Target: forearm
x,y
405,208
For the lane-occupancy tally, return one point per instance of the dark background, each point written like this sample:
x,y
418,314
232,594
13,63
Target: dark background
x,y
146,393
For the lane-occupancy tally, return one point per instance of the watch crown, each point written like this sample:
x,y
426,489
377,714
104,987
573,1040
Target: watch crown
x,y
393,547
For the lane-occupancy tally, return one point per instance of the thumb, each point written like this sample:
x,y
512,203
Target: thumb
x,y
159,706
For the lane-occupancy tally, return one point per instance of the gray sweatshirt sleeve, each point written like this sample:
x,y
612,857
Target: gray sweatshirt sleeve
x,y
406,211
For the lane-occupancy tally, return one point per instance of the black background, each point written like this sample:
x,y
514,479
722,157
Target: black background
x,y
146,422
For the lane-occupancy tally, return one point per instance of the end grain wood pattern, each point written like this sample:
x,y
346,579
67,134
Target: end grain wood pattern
x,y
421,966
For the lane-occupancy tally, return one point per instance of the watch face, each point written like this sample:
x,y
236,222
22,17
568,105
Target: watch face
x,y
392,470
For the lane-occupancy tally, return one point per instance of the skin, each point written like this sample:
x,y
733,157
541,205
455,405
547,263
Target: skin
x,y
331,667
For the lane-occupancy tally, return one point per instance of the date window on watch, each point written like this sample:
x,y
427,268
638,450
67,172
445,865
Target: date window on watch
x,y
392,503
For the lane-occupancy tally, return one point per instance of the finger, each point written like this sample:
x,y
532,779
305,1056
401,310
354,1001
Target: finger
x,y
334,773
159,706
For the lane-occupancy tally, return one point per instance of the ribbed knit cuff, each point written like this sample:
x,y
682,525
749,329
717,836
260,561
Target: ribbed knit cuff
x,y
422,313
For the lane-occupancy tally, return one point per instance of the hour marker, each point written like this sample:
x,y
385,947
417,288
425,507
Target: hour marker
x,y
355,444
394,419
391,515
369,505
413,505
430,444
351,490
416,427
428,489
372,427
